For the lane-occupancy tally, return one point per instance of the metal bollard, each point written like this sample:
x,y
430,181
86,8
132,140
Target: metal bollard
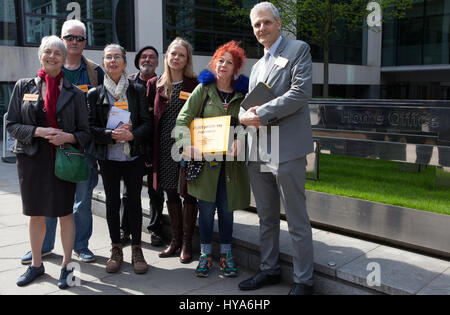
x,y
8,144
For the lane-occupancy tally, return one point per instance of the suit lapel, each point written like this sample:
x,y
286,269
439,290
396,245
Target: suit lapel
x,y
277,54
254,75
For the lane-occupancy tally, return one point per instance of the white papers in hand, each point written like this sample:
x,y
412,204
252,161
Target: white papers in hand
x,y
117,117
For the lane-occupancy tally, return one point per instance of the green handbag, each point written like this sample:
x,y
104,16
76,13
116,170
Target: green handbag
x,y
70,164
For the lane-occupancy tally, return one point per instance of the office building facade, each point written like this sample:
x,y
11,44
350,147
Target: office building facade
x,y
408,59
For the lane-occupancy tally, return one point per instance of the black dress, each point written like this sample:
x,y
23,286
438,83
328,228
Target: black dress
x,y
168,168
43,194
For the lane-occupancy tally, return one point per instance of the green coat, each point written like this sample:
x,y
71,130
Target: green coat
x,y
236,175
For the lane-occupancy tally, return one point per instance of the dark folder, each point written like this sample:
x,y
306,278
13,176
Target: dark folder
x,y
260,95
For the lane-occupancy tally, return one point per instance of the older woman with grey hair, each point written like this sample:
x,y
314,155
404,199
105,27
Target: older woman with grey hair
x,y
45,112
120,149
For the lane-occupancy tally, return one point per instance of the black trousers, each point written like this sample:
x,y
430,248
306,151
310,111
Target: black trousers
x,y
132,174
156,206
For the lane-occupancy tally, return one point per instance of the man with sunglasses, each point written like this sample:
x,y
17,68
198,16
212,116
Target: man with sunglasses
x,y
85,74
77,68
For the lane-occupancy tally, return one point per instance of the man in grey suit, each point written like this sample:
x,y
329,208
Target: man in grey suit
x,y
287,68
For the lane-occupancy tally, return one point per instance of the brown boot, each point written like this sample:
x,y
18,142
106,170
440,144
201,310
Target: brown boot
x,y
113,264
189,219
137,259
176,223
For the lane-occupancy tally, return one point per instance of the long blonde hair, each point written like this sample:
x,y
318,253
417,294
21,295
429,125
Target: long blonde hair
x,y
166,78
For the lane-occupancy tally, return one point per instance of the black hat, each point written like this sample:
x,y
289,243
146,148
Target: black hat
x,y
138,55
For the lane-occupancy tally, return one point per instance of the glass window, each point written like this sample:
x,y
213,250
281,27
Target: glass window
x,y
205,26
422,38
345,47
8,27
410,37
45,17
436,40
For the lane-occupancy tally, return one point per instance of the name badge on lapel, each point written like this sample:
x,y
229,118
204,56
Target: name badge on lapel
x,y
281,62
84,88
121,105
31,97
184,95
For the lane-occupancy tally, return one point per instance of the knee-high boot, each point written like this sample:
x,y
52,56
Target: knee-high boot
x,y
176,224
190,212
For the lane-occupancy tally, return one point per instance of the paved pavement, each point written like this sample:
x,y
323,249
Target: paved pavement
x,y
165,277
344,265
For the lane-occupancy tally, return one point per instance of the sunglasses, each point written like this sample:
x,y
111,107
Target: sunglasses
x,y
70,38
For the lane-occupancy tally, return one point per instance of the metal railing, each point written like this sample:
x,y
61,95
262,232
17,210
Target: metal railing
x,y
7,145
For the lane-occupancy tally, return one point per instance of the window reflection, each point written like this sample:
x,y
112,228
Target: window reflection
x,y
421,38
205,26
8,28
45,17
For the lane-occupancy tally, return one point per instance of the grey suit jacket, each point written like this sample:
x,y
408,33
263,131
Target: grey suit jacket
x,y
292,86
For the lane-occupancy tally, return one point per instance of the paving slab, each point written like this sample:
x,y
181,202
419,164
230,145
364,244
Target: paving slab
x,y
14,220
14,235
92,288
333,251
401,272
439,286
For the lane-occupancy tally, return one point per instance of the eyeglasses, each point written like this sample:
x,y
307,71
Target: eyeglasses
x,y
109,57
70,38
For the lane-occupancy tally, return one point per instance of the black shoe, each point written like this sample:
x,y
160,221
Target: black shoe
x,y
259,280
156,239
30,275
63,278
301,289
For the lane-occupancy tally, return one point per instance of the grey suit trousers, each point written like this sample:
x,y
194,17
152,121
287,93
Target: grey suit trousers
x,y
286,181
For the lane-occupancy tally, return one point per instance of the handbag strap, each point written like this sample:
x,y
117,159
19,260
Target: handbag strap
x,y
205,99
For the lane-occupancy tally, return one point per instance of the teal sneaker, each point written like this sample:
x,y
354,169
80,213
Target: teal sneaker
x,y
227,266
204,266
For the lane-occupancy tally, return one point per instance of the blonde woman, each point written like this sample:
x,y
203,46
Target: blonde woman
x,y
170,93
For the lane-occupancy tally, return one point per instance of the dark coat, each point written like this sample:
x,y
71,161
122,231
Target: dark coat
x,y
140,118
71,114
160,103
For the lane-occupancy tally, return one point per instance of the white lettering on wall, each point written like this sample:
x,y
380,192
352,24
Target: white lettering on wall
x,y
374,17
75,9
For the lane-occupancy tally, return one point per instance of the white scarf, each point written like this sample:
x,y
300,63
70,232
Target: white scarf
x,y
118,91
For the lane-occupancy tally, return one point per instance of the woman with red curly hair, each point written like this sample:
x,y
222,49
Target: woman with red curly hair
x,y
223,183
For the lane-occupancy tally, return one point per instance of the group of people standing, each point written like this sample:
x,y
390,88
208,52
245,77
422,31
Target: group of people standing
x,y
70,101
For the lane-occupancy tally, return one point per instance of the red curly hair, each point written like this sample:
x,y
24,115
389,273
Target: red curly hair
x,y
236,52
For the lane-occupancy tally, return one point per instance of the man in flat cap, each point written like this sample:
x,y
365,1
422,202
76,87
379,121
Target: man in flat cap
x,y
146,62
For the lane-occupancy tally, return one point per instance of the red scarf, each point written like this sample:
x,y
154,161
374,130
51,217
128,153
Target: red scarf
x,y
52,95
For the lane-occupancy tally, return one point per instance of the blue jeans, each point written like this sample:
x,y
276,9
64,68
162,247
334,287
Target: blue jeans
x,y
82,210
207,211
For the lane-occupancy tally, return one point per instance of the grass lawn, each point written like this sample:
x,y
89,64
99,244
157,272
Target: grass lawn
x,y
380,181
